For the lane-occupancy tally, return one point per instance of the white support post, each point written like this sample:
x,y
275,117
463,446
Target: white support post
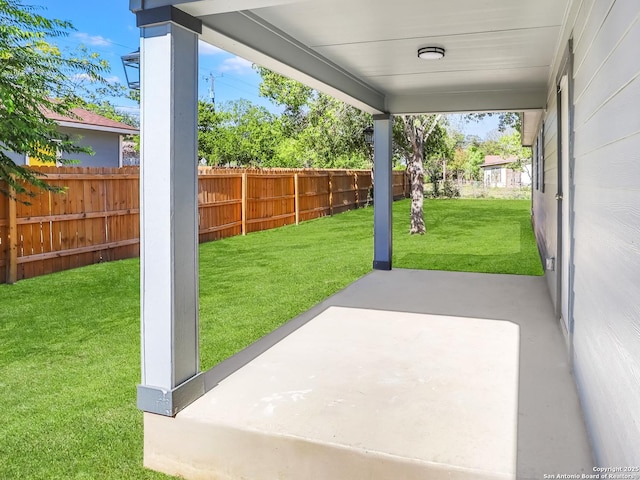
x,y
169,212
382,192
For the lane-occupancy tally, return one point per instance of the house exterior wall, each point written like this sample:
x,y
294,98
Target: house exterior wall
x,y
545,204
606,221
17,158
494,176
106,146
499,176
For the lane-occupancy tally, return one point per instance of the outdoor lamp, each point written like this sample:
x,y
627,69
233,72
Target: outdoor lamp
x,y
131,65
368,136
431,53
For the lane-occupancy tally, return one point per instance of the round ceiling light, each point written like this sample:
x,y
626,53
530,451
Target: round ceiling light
x,y
431,53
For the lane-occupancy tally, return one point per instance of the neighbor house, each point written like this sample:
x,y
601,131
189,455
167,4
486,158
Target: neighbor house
x,y
570,66
498,172
103,135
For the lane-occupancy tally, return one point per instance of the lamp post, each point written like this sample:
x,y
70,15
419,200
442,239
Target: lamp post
x,y
368,136
368,139
131,65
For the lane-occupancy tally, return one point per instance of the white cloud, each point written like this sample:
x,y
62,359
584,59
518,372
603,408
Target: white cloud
x,y
236,65
205,48
93,40
81,77
113,79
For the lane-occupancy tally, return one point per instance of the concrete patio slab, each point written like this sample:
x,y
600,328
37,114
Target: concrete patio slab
x,y
404,374
419,395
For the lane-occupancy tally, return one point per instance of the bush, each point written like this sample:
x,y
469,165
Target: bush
x,y
450,189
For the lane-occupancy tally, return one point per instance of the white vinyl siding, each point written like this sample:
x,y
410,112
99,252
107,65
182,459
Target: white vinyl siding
x,y
607,228
606,312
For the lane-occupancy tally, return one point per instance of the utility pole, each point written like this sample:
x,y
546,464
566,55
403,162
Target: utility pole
x,y
212,90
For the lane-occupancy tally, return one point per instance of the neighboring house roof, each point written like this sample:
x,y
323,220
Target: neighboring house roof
x,y
90,121
496,160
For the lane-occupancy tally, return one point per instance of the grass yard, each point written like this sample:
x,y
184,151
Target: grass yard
x,y
491,236
69,342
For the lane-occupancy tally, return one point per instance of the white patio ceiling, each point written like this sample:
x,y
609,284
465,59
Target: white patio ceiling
x,y
499,53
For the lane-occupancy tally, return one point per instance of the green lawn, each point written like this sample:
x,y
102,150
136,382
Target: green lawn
x,y
69,342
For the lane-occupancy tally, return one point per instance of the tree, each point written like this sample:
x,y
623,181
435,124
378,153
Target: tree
x,y
475,159
417,129
334,134
291,94
318,130
210,132
460,163
510,146
35,77
237,132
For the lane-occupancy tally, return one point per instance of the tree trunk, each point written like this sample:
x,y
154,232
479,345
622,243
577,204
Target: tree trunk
x,y
417,129
416,176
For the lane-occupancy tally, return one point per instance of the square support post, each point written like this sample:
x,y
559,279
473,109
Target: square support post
x,y
169,213
382,192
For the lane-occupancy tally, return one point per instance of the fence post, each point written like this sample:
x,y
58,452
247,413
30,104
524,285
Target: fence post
x,y
331,185
12,267
357,192
244,203
296,200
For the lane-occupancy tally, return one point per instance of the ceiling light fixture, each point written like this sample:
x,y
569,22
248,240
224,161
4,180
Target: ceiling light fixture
x,y
431,53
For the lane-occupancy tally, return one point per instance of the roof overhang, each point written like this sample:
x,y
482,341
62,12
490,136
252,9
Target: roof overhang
x,y
499,54
530,125
99,128
246,35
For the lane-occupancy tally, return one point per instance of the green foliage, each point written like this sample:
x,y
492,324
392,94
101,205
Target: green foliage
x,y
318,130
237,133
290,94
510,146
335,133
290,153
468,154
475,159
426,133
450,189
36,76
209,132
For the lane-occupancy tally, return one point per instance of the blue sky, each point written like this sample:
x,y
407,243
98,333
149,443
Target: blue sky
x,y
109,28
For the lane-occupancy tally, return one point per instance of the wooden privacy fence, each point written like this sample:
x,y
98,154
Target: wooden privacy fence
x,y
98,217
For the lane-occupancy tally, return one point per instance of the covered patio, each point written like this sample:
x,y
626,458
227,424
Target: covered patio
x,y
404,374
